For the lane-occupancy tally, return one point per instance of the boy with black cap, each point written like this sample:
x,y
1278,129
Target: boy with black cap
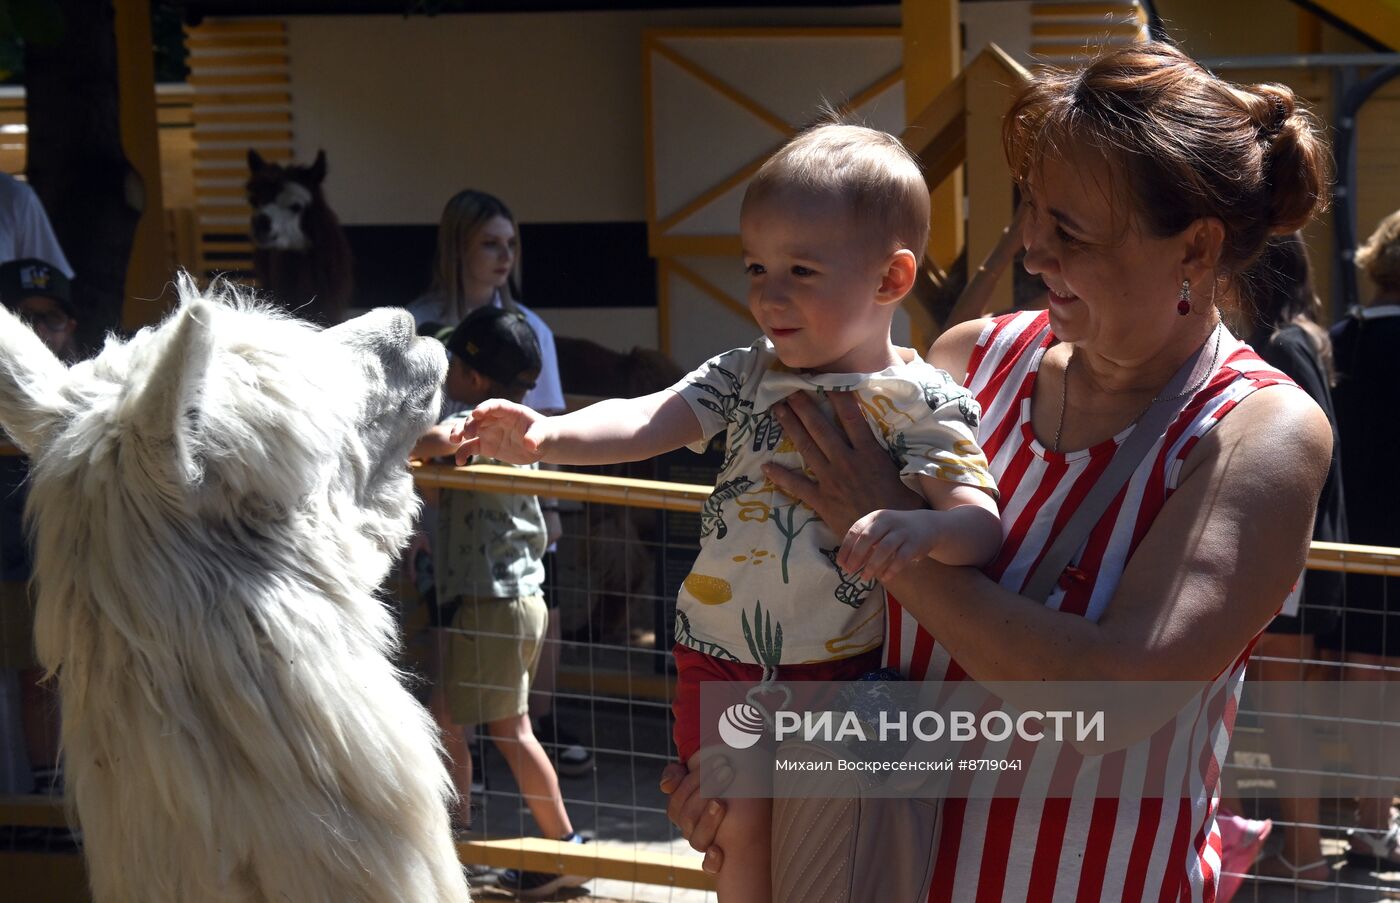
x,y
42,296
489,562
39,292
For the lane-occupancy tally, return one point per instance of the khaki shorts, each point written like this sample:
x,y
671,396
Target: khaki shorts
x,y
17,626
489,658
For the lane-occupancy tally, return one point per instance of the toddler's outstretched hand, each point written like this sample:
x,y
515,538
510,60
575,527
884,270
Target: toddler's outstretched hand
x,y
503,430
884,542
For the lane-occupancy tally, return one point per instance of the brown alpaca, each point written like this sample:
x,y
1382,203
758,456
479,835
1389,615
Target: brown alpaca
x,y
300,257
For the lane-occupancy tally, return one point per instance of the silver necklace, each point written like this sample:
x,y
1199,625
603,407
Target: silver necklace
x,y
1189,390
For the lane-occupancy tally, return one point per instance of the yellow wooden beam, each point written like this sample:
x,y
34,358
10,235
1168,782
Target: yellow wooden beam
x,y
615,861
932,59
1309,31
1354,559
582,487
1378,18
147,271
993,79
729,302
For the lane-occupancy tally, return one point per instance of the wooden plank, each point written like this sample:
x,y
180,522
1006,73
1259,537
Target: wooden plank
x,y
946,111
204,62
238,27
714,192
696,246
224,81
174,116
1354,559
1087,30
228,255
214,192
247,136
260,117
236,176
932,69
582,487
222,41
1084,9
206,99
730,303
276,154
992,80
601,859
223,210
1062,51
738,98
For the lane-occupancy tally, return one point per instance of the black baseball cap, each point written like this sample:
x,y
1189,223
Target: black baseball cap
x,y
31,276
500,345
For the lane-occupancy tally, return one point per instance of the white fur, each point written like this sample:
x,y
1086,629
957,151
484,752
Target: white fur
x,y
284,231
215,504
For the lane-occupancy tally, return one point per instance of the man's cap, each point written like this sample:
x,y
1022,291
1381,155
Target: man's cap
x,y
499,344
30,276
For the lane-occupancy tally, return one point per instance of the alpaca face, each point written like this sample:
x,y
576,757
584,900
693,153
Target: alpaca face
x,y
231,419
280,197
277,222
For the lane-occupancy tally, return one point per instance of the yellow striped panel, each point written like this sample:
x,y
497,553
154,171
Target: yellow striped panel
x,y
240,72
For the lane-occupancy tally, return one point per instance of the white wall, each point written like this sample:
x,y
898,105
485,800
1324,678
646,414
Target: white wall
x,y
543,109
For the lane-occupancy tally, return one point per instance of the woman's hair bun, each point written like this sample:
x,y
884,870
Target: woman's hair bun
x,y
1296,160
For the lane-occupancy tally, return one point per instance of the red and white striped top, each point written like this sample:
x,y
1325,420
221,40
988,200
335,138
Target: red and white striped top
x,y
1141,822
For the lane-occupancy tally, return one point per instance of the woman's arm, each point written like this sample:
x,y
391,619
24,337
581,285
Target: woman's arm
x,y
1205,579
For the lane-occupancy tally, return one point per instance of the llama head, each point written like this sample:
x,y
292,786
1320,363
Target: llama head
x,y
229,428
280,196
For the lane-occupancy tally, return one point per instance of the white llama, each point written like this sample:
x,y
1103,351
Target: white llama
x,y
215,504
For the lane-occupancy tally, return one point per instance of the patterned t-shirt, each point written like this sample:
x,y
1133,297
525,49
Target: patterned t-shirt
x,y
489,545
765,588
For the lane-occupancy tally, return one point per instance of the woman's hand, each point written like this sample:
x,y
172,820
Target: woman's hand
x,y
853,474
697,815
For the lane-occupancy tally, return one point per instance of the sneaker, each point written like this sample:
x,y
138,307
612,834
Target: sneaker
x,y
572,758
534,885
479,875
1374,850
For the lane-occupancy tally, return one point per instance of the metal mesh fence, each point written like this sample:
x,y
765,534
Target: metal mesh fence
x,y
603,684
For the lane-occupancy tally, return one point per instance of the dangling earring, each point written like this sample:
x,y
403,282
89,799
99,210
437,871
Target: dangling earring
x,y
1183,306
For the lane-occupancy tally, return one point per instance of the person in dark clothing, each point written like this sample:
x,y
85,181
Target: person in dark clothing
x,y
41,294
1284,309
1281,310
1366,347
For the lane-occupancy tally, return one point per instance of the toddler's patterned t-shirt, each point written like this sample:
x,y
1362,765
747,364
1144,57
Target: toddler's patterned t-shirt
x,y
765,588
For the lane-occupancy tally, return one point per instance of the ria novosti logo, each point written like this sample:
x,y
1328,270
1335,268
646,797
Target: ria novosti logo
x,y
740,725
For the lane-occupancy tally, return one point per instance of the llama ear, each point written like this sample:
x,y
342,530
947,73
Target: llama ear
x,y
164,411
255,161
317,173
32,404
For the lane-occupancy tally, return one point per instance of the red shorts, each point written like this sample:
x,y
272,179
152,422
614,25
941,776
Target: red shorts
x,y
694,668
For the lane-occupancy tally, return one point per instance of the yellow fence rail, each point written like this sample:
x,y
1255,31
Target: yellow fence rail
x,y
607,490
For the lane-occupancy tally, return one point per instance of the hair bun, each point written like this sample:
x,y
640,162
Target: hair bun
x,y
1296,160
1274,105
